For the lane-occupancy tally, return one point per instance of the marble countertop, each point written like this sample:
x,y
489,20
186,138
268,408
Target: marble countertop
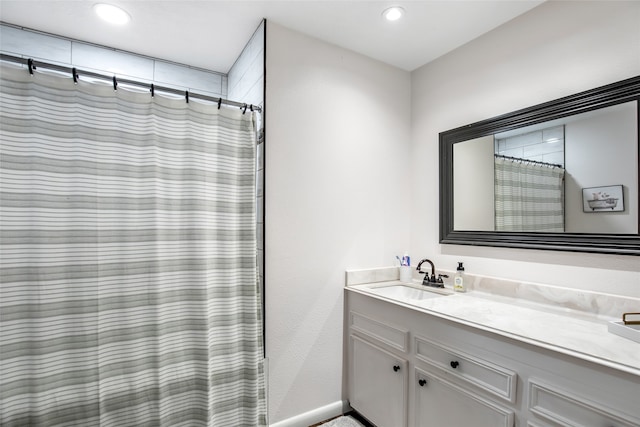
x,y
576,333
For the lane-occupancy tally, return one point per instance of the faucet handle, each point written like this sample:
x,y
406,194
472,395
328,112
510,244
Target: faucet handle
x,y
440,276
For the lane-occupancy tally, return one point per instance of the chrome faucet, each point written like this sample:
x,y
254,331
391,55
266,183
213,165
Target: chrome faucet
x,y
431,281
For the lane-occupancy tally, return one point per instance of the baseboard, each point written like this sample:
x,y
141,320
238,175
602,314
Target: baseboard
x,y
315,416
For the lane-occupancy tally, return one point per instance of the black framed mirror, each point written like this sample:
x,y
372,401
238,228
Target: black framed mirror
x,y
587,147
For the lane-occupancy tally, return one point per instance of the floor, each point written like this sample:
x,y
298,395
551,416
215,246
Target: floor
x,y
323,422
351,414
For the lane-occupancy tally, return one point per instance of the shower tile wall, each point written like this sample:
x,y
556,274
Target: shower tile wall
x,y
29,44
544,145
246,84
246,76
17,42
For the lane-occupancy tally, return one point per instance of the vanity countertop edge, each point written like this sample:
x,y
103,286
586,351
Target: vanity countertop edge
x,y
582,336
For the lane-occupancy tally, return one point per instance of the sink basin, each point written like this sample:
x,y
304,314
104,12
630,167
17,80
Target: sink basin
x,y
405,292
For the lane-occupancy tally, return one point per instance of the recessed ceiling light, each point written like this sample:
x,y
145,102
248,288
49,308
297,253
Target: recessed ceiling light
x,y
111,14
393,13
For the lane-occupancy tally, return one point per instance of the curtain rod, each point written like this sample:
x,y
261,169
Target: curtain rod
x,y
535,162
75,73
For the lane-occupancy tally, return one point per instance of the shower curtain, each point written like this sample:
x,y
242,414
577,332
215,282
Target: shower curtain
x,y
128,292
529,197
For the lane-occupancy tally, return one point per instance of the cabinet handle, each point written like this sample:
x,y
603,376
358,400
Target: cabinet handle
x,y
396,368
454,364
422,382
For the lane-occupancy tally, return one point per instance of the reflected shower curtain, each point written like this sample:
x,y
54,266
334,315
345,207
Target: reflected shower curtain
x,y
528,197
128,292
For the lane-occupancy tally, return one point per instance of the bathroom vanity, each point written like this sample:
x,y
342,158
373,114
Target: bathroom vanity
x,y
423,357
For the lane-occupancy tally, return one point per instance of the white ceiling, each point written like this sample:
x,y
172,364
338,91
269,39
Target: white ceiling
x,y
211,33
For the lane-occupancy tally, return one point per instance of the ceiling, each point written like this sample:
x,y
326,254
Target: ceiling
x,y
212,33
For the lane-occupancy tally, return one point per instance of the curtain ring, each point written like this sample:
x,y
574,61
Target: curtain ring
x,y
219,103
153,90
244,108
186,96
115,83
31,66
74,74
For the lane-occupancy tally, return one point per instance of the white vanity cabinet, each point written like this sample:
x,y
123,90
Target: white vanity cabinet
x,y
455,375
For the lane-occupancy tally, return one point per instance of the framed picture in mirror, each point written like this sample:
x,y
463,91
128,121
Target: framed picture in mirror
x,y
603,199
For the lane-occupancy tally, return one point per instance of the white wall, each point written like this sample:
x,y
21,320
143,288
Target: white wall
x,y
602,149
337,197
473,184
556,49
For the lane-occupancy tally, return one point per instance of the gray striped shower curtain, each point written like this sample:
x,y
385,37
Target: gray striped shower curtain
x,y
128,292
528,197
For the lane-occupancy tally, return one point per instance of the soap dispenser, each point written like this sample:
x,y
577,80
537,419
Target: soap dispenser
x,y
460,281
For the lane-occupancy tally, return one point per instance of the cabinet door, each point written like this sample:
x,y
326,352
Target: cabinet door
x,y
441,403
378,387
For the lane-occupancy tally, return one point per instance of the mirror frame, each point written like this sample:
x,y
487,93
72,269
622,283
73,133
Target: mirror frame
x,y
604,96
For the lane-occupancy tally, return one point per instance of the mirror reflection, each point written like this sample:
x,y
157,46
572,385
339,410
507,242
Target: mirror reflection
x,y
576,174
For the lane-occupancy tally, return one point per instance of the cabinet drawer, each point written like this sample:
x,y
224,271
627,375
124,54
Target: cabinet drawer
x,y
494,379
568,409
382,332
